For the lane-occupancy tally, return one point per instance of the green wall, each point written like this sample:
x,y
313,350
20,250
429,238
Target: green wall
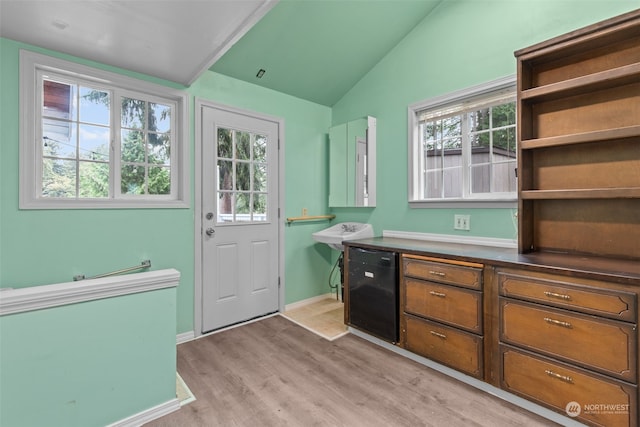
x,y
459,44
40,247
306,177
88,364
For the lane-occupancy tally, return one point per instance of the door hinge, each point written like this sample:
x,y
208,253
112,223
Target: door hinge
x,y
278,213
278,281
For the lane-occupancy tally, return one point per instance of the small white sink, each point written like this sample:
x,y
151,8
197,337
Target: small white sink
x,y
333,236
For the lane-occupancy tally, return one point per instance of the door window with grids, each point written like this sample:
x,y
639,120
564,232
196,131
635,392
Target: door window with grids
x,y
464,147
242,176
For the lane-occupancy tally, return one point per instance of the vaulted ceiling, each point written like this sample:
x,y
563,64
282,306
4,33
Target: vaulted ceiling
x,y
318,49
312,49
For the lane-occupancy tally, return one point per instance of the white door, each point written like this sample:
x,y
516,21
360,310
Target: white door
x,y
239,217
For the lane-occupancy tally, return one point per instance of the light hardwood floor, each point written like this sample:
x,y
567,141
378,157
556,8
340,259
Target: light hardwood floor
x,y
275,373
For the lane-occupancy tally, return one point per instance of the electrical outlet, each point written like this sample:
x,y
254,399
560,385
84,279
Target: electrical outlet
x,y
304,212
466,222
462,222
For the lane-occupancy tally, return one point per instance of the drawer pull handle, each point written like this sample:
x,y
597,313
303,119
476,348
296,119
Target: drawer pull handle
x,y
559,296
437,294
558,376
437,273
439,335
558,322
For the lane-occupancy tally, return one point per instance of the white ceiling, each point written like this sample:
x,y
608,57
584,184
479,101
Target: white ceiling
x,y
175,40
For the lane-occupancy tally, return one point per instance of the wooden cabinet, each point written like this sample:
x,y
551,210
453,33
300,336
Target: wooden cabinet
x,y
578,193
450,346
466,274
557,321
594,297
559,344
441,312
559,330
579,141
594,399
599,344
454,306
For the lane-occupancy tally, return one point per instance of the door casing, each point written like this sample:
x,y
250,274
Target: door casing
x,y
198,222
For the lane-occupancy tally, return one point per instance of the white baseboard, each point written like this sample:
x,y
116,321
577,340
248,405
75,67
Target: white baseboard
x,y
185,337
308,301
450,238
148,415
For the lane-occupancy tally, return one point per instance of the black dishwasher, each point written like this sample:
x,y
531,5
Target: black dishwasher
x,y
373,292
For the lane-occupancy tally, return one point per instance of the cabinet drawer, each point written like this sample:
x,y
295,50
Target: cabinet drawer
x,y
565,388
449,346
461,274
455,306
614,304
605,345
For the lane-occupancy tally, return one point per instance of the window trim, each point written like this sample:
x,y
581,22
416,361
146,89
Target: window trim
x,y
496,200
31,64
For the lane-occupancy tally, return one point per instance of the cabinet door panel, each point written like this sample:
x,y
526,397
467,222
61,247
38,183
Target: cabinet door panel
x,y
455,306
449,346
469,277
614,304
604,345
566,388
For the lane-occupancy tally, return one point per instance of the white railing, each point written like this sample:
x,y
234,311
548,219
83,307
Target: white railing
x,y
38,297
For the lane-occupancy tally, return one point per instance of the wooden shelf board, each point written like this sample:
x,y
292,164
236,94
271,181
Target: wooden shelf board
x,y
605,79
598,34
580,138
591,193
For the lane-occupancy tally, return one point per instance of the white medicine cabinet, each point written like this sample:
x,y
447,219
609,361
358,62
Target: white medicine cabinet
x,y
352,163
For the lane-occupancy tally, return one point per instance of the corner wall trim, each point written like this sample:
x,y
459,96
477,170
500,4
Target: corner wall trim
x,y
449,238
14,301
148,415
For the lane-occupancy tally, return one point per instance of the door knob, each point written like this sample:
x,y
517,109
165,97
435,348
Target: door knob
x,y
210,231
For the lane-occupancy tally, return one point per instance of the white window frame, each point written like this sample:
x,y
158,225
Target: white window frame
x,y
490,200
32,65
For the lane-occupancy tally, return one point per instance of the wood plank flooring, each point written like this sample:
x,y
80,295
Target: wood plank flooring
x,y
275,373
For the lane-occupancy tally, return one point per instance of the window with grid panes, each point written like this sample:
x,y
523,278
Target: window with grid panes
x,y
95,139
463,146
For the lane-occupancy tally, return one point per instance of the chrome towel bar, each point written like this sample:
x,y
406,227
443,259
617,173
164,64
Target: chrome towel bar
x,y
145,264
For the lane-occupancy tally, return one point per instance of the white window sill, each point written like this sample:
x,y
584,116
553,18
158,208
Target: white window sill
x,y
103,204
507,203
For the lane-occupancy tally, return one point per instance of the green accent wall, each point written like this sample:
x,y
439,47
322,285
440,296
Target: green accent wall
x,y
40,247
306,125
459,44
88,364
